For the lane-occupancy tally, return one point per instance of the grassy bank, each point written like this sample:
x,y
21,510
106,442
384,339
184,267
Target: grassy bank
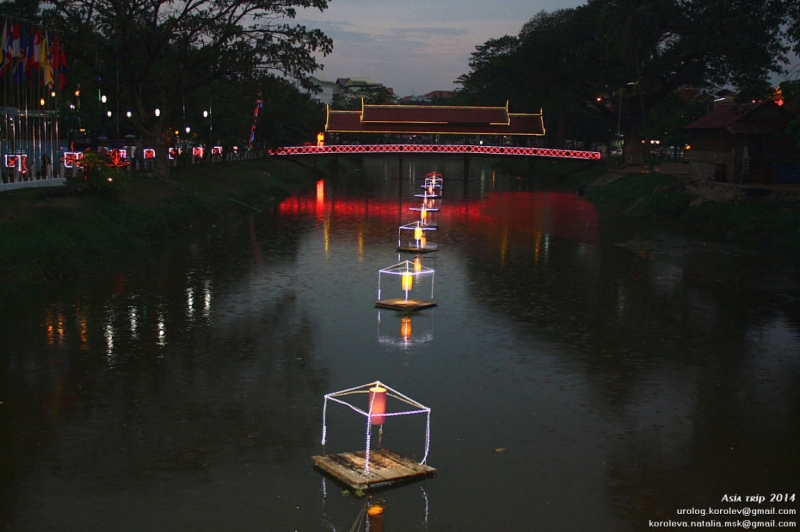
x,y
52,234
764,225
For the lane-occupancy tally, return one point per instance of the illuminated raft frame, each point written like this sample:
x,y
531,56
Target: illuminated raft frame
x,y
409,272
417,245
376,414
424,207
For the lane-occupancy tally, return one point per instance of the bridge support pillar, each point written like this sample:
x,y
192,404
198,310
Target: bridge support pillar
x,y
531,167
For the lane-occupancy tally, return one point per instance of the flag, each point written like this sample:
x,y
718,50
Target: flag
x,y
30,55
14,41
44,62
62,67
19,68
37,51
3,45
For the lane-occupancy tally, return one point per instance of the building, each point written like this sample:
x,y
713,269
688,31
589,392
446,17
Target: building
x,y
325,94
349,91
743,143
429,98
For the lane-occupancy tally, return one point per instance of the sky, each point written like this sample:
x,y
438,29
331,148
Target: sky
x,y
415,46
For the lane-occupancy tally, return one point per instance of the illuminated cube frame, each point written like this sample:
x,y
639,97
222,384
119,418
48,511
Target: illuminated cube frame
x,y
373,415
416,227
432,186
408,272
424,206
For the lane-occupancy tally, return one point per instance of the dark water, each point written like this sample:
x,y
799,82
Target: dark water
x,y
574,384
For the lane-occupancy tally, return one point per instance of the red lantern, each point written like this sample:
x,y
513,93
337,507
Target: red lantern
x,y
377,404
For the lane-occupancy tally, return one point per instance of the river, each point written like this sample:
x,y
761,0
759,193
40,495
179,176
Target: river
x,y
574,383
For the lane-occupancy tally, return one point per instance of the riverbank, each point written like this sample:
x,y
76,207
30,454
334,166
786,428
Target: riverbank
x,y
757,217
47,235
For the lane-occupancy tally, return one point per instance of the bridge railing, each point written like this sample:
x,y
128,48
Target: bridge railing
x,y
449,149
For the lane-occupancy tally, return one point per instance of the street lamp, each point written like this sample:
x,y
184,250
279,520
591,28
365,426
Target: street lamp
x,y
158,112
207,114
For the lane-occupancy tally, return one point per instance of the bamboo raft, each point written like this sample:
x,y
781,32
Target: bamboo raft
x,y
385,468
404,304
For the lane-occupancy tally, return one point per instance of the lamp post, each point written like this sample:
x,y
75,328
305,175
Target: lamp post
x,y
207,114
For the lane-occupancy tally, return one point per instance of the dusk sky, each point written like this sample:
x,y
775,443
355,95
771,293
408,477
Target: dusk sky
x,y
415,46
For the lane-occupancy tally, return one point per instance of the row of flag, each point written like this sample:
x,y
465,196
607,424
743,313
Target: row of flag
x,y
26,49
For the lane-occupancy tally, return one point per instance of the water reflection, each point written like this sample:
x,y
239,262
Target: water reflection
x,y
381,511
625,382
405,331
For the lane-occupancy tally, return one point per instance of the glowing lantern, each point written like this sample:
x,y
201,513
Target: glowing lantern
x,y
424,213
423,241
405,328
375,509
377,404
407,281
417,264
418,233
375,518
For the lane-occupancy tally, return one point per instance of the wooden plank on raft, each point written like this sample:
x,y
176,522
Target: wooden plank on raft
x,y
385,468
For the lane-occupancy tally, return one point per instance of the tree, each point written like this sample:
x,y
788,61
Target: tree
x,y
616,60
371,94
153,54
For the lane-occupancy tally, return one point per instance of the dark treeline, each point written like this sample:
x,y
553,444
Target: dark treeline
x,y
160,66
618,66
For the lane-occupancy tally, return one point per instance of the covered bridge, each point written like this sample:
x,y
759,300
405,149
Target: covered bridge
x,y
435,120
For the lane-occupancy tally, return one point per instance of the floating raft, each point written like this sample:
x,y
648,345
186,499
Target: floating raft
x,y
385,468
413,248
404,304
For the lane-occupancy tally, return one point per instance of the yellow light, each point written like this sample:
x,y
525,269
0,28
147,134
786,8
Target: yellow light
x,y
422,241
375,509
405,327
418,233
407,282
41,102
78,93
417,264
688,147
424,213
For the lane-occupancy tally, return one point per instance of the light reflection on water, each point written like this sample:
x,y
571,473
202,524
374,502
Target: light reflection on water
x,y
620,384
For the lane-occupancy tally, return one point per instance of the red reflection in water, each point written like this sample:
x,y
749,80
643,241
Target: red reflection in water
x,y
559,214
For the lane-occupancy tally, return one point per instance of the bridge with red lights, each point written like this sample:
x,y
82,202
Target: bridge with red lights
x,y
440,149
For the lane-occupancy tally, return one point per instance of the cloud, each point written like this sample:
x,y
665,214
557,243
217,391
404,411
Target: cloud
x,y
415,45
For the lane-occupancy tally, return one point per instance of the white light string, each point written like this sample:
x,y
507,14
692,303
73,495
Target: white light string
x,y
421,409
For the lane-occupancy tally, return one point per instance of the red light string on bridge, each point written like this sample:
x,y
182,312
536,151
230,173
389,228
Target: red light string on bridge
x,y
435,148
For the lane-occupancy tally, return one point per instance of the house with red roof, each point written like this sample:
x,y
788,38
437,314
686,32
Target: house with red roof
x,y
743,143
